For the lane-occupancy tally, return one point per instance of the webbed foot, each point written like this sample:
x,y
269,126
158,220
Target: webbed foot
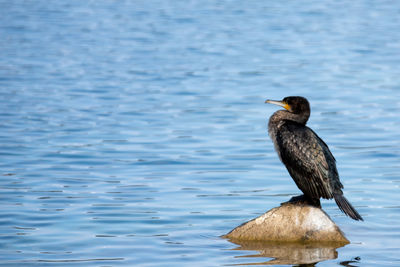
x,y
302,199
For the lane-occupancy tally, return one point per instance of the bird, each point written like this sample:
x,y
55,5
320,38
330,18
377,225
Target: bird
x,y
306,156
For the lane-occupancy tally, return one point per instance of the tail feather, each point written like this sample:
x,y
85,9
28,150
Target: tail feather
x,y
345,206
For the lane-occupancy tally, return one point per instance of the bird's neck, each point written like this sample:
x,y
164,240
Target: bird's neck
x,y
278,119
282,115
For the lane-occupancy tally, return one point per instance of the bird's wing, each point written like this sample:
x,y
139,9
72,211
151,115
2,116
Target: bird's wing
x,y
308,160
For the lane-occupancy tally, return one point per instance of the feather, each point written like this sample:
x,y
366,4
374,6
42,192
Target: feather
x,y
308,160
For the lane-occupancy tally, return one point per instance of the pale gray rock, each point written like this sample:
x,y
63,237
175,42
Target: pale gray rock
x,y
290,223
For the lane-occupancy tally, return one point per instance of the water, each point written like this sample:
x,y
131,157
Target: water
x,y
134,132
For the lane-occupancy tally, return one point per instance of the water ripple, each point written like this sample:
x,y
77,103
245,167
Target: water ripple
x,y
135,133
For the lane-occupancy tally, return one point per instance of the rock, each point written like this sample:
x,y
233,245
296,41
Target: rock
x,y
290,223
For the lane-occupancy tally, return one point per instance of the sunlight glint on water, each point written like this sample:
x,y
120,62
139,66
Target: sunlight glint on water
x,y
135,133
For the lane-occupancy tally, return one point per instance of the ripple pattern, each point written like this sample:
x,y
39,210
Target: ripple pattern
x,y
134,132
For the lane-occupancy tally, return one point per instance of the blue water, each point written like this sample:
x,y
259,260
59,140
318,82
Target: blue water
x,y
134,132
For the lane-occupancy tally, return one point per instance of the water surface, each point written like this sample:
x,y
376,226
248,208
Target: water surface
x,y
134,132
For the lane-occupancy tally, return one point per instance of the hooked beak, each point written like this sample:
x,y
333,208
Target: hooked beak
x,y
279,103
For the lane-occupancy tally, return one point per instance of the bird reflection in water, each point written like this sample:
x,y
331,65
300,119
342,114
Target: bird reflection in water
x,y
351,262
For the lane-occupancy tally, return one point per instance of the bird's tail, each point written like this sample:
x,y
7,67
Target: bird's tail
x,y
345,206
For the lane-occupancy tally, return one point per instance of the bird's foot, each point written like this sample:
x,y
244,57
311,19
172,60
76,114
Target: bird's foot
x,y
303,200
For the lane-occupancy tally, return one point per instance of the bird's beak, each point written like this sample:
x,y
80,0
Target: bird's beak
x,y
279,103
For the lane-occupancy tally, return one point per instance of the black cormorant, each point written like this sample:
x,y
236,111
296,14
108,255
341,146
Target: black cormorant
x,y
305,155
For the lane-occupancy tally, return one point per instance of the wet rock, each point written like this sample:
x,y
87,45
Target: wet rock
x,y
290,223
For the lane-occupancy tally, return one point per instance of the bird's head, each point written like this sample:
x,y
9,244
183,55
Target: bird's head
x,y
293,104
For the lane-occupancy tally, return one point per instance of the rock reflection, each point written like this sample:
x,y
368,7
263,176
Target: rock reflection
x,y
288,253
